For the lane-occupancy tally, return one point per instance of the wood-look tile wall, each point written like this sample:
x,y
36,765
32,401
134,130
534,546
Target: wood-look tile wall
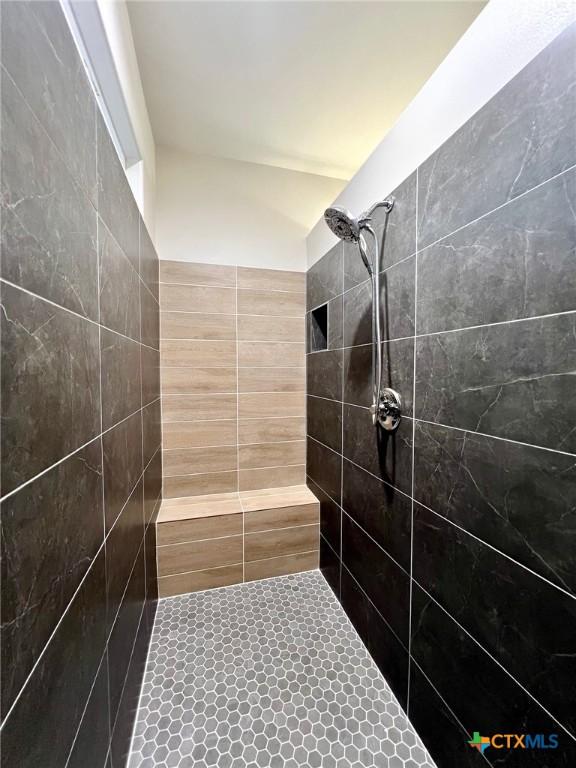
x,y
233,378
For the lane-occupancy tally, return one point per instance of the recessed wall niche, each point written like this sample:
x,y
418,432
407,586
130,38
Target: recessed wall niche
x,y
319,328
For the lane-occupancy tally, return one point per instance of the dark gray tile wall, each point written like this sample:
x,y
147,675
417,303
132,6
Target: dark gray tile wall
x,y
451,544
81,470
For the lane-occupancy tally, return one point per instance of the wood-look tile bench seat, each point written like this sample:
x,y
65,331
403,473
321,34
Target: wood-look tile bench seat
x,y
221,539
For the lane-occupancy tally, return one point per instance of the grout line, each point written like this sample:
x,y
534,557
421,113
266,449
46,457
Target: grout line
x,y
494,437
249,392
238,431
201,570
374,541
367,596
495,549
72,453
277,557
323,445
229,341
75,593
231,445
316,483
384,482
72,312
51,636
498,207
366,281
229,314
145,670
233,535
341,439
231,287
102,659
241,418
443,700
230,565
495,660
141,619
413,471
452,522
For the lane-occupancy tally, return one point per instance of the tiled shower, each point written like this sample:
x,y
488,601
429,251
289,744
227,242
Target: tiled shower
x,y
450,544
204,429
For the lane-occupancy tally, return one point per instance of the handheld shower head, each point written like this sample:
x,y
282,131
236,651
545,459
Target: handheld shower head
x,y
386,403
342,224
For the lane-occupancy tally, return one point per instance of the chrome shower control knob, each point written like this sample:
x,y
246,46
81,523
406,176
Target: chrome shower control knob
x,y
389,410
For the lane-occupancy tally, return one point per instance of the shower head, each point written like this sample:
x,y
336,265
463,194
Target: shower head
x,y
346,227
342,224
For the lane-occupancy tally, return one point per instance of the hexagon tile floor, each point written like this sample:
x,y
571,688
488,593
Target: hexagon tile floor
x,y
269,674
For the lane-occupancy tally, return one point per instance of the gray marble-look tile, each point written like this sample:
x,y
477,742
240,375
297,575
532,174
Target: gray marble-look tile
x,y
519,499
324,374
152,488
381,510
528,625
477,690
47,547
93,737
134,621
397,230
116,204
39,53
151,565
151,430
324,467
445,737
358,315
330,566
523,136
324,421
50,390
324,279
61,681
354,269
120,377
150,318
385,583
388,455
335,323
119,287
122,451
48,223
514,380
516,262
124,631
122,546
397,290
397,372
390,656
330,514
150,363
149,265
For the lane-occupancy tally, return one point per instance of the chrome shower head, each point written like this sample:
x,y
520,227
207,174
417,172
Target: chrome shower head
x,y
342,224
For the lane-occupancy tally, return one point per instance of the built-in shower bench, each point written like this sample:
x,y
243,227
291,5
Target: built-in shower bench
x,y
222,539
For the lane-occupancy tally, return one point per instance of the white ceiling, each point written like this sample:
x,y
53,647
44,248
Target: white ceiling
x,y
310,86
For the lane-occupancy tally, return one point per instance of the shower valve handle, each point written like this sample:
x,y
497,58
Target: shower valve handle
x,y
388,411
